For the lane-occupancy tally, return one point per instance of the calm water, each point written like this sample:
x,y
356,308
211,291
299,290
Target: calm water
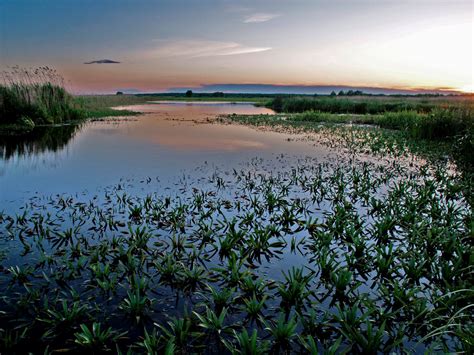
x,y
167,142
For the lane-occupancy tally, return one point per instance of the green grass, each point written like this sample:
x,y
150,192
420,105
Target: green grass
x,y
260,99
35,97
437,124
97,106
218,99
360,105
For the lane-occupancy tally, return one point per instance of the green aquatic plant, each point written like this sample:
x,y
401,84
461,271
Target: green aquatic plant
x,y
20,274
152,343
213,324
253,308
283,333
63,318
178,334
95,338
221,298
370,257
12,339
295,290
136,305
246,344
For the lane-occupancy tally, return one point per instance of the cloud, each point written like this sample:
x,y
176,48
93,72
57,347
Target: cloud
x,y
103,61
260,17
202,48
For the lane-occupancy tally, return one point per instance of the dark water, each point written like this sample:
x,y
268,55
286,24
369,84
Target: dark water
x,y
169,140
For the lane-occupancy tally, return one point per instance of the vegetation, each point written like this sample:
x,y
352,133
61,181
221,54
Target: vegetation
x,y
97,106
35,97
260,99
365,257
32,97
360,105
436,119
437,124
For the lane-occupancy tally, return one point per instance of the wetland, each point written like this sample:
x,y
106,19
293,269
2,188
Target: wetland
x,y
216,227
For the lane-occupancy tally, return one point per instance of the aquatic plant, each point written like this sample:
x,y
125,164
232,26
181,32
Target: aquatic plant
x,y
335,256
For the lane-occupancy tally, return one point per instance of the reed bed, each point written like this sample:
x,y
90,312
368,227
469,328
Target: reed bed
x,y
30,97
371,105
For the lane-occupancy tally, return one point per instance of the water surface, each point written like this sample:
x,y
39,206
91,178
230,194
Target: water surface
x,y
167,141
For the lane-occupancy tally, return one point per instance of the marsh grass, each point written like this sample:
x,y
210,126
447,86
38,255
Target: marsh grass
x,y
442,131
30,97
360,105
35,97
97,106
439,123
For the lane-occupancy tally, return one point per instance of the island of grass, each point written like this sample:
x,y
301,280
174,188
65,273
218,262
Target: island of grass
x,y
439,119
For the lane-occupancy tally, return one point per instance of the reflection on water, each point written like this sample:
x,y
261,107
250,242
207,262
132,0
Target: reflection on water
x,y
40,140
165,143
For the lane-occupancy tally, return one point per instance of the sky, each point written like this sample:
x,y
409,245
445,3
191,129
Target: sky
x,y
161,45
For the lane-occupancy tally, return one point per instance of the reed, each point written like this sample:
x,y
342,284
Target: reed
x,y
30,97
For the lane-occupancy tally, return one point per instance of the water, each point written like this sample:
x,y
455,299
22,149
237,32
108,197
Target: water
x,y
169,140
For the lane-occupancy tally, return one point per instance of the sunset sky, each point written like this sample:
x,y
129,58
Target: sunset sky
x,y
168,44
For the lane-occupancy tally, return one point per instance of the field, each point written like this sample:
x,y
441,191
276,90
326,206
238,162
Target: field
x,y
367,249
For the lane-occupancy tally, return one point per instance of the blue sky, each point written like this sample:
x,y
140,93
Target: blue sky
x,y
163,44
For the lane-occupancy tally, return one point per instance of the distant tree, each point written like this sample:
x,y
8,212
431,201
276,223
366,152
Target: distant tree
x,y
341,93
218,94
189,93
119,93
333,93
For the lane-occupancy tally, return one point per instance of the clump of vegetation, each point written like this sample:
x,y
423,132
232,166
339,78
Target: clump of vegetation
x,y
439,123
30,97
333,104
96,106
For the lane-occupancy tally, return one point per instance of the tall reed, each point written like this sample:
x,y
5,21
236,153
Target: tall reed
x,y
35,96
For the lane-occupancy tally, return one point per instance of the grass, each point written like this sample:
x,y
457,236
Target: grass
x,y
437,124
360,105
97,106
259,99
450,126
35,97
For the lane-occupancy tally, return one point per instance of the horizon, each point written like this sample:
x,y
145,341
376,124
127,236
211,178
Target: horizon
x,y
282,90
156,46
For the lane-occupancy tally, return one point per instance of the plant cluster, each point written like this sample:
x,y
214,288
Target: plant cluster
x,y
323,257
29,97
